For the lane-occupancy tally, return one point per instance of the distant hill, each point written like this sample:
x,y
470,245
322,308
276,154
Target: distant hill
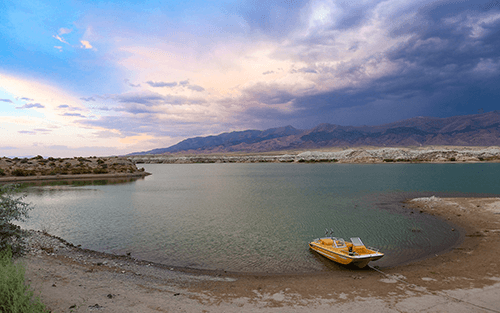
x,y
468,130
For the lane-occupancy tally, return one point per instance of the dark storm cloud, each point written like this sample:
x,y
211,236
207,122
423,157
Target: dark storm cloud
x,y
435,58
267,94
449,65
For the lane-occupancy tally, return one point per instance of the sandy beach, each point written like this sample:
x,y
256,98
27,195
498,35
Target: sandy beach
x,y
465,279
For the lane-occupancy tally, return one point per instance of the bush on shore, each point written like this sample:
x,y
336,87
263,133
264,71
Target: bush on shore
x,y
12,208
15,295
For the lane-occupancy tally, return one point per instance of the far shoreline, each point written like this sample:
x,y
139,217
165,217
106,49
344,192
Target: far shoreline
x,y
36,169
356,155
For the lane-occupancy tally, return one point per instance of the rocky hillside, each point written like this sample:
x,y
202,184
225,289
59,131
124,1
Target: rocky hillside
x,y
470,130
384,155
38,166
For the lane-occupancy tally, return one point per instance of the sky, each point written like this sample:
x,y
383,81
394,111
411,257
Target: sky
x,y
85,78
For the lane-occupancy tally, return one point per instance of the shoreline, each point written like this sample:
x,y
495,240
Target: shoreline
x,y
356,155
68,276
79,177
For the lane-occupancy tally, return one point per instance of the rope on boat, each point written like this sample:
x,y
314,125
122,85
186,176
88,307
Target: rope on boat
x,y
436,293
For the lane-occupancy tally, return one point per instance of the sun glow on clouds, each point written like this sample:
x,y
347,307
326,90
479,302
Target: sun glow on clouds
x,y
49,117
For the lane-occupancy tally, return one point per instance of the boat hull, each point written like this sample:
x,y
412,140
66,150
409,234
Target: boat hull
x,y
338,256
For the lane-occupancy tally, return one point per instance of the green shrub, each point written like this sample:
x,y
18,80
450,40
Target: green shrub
x,y
12,208
100,171
82,170
19,172
15,295
2,172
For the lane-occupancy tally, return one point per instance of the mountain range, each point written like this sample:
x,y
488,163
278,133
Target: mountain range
x,y
468,130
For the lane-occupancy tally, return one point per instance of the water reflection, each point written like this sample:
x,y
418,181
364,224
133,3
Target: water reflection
x,y
77,182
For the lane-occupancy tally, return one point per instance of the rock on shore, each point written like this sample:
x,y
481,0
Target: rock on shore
x,y
355,155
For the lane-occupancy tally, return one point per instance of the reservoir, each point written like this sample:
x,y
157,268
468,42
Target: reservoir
x,y
259,218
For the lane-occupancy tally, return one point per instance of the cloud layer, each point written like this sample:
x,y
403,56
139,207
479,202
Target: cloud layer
x,y
158,73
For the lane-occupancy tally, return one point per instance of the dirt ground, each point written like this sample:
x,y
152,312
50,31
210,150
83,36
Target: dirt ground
x,y
466,279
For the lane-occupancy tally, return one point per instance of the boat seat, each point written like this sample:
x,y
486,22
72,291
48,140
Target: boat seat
x,y
361,250
326,241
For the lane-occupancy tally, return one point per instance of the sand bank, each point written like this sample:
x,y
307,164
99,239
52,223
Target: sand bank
x,y
467,279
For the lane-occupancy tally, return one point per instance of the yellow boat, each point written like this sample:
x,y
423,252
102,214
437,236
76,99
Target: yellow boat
x,y
344,252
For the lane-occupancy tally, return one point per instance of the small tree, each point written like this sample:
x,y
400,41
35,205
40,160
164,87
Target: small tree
x,y
12,208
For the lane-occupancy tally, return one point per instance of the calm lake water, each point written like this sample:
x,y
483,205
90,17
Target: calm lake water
x,y
259,217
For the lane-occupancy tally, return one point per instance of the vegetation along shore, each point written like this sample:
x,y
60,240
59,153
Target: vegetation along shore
x,y
40,168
